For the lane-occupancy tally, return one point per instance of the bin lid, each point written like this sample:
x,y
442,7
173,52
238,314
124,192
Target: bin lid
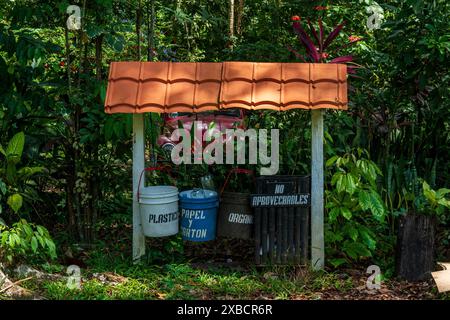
x,y
158,192
198,195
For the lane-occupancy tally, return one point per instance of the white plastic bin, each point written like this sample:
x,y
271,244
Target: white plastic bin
x,y
159,210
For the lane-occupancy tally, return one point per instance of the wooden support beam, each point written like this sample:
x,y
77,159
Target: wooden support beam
x,y
138,166
317,221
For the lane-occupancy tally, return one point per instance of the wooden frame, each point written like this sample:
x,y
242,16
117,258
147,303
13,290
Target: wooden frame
x,y
317,189
138,167
317,236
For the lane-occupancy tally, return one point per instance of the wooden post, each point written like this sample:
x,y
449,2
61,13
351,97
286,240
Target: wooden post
x,y
317,238
138,166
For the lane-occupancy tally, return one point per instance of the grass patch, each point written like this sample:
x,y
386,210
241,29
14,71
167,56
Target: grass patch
x,y
109,274
113,276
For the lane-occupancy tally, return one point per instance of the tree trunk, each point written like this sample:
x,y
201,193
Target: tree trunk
x,y
67,44
98,56
239,17
231,20
150,29
70,185
415,247
69,179
94,179
138,29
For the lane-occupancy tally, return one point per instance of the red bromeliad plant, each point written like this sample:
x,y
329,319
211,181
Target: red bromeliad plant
x,y
317,50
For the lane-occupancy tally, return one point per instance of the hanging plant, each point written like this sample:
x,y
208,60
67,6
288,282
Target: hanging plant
x,y
316,44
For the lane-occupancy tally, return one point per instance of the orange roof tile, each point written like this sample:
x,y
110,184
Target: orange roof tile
x,y
137,87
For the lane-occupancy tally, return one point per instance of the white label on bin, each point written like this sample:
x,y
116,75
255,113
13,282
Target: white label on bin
x,y
163,218
240,218
194,233
193,214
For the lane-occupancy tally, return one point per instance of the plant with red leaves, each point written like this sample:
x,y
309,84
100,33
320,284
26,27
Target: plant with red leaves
x,y
320,8
316,49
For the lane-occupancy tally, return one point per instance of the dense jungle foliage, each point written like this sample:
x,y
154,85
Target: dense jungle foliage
x,y
65,165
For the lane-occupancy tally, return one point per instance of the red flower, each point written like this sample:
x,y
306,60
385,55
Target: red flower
x,y
325,55
319,8
62,64
354,38
295,18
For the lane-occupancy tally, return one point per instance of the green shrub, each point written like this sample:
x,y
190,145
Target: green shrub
x,y
25,240
354,207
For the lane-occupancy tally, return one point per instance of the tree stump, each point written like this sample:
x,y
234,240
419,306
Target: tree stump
x,y
415,247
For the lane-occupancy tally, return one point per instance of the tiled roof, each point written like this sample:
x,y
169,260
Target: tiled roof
x,y
137,87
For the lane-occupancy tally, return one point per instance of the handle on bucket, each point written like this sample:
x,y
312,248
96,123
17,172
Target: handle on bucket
x,y
235,170
160,168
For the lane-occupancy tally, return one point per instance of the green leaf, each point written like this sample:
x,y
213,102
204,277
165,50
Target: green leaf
x,y
26,227
14,239
340,183
429,193
11,240
331,161
15,146
15,201
335,178
356,250
103,93
444,202
346,213
442,192
41,241
34,244
51,247
41,230
328,136
334,213
352,232
2,151
11,170
29,171
351,185
109,124
364,199
367,237
376,206
3,188
337,262
361,164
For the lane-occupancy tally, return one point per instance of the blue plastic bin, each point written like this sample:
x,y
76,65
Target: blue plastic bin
x,y
198,214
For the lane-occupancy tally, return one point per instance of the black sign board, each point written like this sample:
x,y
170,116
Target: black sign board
x,y
280,187
281,200
282,191
281,219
